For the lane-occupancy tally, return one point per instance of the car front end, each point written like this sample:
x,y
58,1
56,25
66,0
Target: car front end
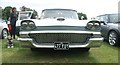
x,y
50,36
60,33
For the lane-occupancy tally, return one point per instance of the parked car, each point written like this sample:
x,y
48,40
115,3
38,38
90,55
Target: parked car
x,y
59,29
111,30
3,29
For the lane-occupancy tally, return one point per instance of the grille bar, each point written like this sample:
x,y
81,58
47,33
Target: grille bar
x,y
60,37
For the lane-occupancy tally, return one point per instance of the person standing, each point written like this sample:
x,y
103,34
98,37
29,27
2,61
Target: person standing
x,y
13,18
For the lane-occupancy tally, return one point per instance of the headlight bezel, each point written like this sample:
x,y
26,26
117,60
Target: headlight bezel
x,y
24,24
27,25
95,25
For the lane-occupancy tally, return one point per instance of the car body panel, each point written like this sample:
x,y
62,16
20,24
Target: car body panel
x,y
3,25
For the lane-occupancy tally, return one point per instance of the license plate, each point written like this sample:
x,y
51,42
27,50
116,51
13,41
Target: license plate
x,y
61,46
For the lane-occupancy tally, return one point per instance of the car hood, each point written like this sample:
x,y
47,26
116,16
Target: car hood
x,y
66,22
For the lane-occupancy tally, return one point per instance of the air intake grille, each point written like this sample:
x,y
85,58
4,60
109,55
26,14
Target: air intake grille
x,y
60,37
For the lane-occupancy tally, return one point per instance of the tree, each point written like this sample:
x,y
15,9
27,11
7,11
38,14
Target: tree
x,y
6,12
82,16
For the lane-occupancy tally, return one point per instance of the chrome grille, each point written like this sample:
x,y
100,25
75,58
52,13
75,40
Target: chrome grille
x,y
60,37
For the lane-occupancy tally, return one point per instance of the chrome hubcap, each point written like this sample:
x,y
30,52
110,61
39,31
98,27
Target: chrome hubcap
x,y
5,34
112,38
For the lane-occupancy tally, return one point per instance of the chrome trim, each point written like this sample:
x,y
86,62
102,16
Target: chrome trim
x,y
58,31
96,39
24,36
91,43
25,39
52,46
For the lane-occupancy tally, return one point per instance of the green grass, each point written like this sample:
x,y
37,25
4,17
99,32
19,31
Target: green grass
x,y
103,54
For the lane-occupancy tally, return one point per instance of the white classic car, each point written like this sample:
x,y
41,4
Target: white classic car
x,y
59,29
3,29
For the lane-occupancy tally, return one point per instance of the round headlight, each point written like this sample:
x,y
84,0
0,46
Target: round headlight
x,y
24,24
93,25
96,24
28,25
90,25
31,25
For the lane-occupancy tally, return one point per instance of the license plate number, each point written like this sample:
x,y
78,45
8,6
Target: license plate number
x,y
61,46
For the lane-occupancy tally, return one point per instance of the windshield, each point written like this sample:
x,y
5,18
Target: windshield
x,y
103,18
24,15
69,14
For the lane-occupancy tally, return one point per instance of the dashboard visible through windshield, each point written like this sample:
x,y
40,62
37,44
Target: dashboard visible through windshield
x,y
67,14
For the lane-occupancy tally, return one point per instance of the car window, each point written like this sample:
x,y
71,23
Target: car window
x,y
114,18
103,18
24,15
59,13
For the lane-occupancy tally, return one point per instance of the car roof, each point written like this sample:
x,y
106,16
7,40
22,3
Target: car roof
x,y
108,14
60,9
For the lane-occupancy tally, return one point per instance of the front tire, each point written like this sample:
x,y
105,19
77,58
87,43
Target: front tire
x,y
4,34
113,38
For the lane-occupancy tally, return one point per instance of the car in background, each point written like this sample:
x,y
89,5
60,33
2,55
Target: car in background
x,y
110,31
59,29
3,29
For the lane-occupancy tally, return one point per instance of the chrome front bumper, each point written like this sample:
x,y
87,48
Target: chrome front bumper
x,y
28,42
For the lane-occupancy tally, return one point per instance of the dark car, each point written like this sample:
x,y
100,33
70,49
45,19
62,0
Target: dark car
x,y
111,29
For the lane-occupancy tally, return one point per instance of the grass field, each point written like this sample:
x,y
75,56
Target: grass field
x,y
103,54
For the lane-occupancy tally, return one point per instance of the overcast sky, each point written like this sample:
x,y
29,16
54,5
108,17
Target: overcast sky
x,y
90,7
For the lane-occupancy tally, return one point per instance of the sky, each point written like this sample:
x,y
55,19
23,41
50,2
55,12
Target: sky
x,y
92,8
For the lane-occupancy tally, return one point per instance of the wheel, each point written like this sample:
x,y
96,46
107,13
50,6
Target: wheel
x,y
113,38
4,34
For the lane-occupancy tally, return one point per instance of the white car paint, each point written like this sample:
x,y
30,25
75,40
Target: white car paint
x,y
54,22
3,25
